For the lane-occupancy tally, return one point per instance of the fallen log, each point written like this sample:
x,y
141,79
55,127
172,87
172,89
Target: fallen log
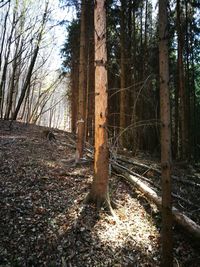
x,y
133,173
189,225
141,177
158,171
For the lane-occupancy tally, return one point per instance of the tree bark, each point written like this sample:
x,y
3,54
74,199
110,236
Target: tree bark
x,y
3,35
14,77
90,120
167,248
123,102
6,60
99,191
74,95
181,84
82,87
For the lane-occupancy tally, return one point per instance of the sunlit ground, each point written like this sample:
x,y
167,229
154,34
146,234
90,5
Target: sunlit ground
x,y
43,219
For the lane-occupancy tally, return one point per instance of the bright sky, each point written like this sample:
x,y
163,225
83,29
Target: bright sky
x,y
59,31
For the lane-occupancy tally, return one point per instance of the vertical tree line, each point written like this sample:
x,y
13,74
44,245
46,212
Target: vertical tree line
x,y
145,96
133,76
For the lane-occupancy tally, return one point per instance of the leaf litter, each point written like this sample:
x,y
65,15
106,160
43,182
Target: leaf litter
x,y
43,219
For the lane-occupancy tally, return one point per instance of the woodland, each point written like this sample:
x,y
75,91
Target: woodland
x,y
99,157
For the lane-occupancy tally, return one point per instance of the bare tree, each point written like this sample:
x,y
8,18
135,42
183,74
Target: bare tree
x,y
32,63
167,249
6,57
4,31
82,87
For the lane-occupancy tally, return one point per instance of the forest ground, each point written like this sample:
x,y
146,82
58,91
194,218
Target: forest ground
x,y
43,221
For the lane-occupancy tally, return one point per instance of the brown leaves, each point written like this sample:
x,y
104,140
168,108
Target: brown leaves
x,y
43,219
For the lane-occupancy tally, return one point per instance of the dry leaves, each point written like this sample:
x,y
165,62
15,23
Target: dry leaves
x,y
43,221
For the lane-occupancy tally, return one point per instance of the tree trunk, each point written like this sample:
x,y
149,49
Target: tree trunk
x,y
167,248
13,81
134,145
188,82
194,114
74,96
90,120
6,63
181,85
82,87
26,83
3,35
176,125
32,64
99,191
123,102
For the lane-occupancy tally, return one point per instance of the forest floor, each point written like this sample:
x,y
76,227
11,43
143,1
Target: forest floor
x,y
43,221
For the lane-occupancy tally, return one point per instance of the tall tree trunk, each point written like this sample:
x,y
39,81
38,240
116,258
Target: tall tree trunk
x,y
181,84
134,146
13,80
4,32
194,114
99,191
6,63
82,87
90,107
167,248
140,104
145,45
32,64
129,65
176,124
123,102
87,94
188,84
74,95
26,83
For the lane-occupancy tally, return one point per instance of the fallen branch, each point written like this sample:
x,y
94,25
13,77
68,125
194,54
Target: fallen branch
x,y
121,158
126,160
188,202
181,219
154,185
114,163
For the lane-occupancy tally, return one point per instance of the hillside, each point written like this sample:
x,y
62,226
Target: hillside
x,y
43,220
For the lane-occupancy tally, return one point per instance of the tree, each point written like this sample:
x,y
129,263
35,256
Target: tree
x,y
32,63
27,36
99,193
89,118
82,87
70,54
6,58
123,100
133,65
16,62
167,249
181,83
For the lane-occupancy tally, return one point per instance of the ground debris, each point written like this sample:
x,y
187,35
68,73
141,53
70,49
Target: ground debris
x,y
43,219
